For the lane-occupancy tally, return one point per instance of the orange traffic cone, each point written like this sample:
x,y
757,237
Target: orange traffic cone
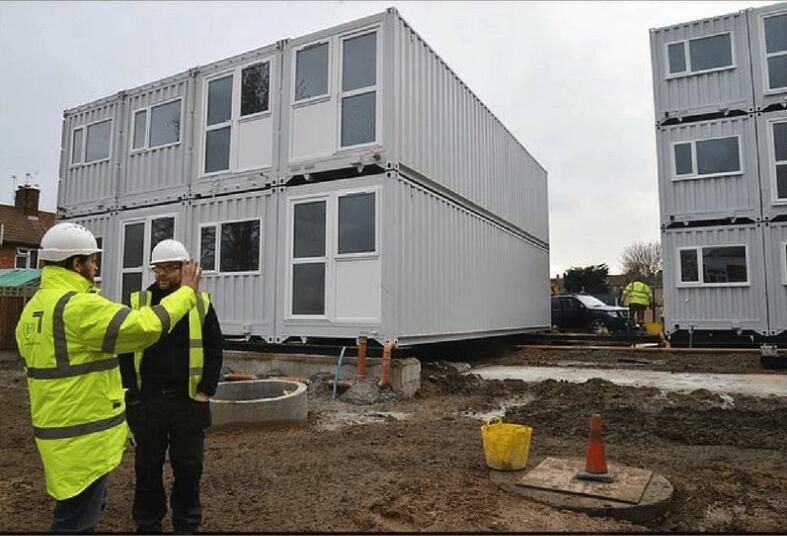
x,y
596,461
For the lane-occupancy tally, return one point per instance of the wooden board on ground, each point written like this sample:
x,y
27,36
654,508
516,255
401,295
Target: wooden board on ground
x,y
559,475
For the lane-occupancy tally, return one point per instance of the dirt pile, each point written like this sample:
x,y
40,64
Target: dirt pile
x,y
366,393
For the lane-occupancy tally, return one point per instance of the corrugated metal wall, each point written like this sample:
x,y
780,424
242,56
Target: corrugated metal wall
x,y
776,268
87,188
156,175
700,93
715,307
451,274
763,96
734,195
446,134
104,226
244,302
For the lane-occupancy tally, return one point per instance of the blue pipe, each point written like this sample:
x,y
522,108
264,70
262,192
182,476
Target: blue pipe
x,y
338,370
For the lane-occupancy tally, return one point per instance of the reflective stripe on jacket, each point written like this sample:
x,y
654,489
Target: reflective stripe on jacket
x,y
69,337
637,293
196,353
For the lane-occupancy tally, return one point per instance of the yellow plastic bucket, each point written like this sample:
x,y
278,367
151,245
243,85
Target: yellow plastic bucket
x,y
653,328
505,445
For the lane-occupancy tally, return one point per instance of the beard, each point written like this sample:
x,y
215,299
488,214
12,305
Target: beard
x,y
85,272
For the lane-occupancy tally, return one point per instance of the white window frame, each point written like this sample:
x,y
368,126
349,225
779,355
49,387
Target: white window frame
x,y
775,199
784,262
73,164
766,72
687,56
701,269
216,229
103,256
148,109
235,118
146,246
332,256
341,94
695,174
84,143
329,84
365,254
217,225
25,252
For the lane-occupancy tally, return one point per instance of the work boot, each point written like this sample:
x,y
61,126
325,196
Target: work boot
x,y
151,528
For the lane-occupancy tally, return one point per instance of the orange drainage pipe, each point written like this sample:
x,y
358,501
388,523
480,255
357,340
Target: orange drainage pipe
x,y
361,370
385,375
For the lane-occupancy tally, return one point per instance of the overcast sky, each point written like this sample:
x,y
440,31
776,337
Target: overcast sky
x,y
571,80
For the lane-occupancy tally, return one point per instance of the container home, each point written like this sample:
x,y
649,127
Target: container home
x,y
702,67
776,270
772,136
709,171
715,279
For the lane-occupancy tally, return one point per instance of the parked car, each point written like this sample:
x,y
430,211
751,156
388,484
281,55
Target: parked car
x,y
586,312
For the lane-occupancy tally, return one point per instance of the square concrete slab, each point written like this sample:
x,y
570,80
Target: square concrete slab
x,y
559,475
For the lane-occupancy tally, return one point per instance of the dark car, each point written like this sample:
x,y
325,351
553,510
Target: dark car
x,y
586,312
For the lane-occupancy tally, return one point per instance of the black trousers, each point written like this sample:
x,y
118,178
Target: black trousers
x,y
178,423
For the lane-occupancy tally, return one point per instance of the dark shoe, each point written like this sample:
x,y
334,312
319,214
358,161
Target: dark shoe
x,y
149,529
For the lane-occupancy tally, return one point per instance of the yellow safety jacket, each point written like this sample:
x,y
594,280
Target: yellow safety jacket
x,y
637,293
196,354
69,336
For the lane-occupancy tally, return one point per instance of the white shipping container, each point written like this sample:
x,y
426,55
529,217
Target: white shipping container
x,y
384,257
714,279
709,171
385,100
702,67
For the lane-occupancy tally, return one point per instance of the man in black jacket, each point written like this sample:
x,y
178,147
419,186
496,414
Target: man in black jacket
x,y
169,386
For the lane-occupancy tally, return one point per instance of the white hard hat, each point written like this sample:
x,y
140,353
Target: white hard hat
x,y
65,240
169,251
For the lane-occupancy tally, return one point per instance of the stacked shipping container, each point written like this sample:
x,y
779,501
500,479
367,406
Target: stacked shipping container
x,y
341,184
720,87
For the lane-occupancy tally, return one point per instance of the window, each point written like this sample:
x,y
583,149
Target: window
x,y
26,258
98,138
161,229
719,265
700,55
689,266
780,158
707,158
357,223
76,145
207,248
776,50
784,263
240,246
309,258
311,72
133,258
359,95
140,127
162,129
255,82
219,124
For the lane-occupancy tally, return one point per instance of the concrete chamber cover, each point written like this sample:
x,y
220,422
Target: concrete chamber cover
x,y
259,401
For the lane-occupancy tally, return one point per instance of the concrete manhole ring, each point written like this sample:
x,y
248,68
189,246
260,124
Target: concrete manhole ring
x,y
259,401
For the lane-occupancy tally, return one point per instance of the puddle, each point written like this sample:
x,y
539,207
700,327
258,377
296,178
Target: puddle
x,y
761,385
511,403
341,419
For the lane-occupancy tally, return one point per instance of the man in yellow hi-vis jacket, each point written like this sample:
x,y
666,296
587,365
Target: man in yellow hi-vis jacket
x,y
639,296
69,336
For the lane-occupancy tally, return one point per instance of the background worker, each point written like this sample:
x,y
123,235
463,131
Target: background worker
x,y
169,386
68,336
639,296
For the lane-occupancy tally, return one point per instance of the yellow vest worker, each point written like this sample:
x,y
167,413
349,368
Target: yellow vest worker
x,y
637,293
68,336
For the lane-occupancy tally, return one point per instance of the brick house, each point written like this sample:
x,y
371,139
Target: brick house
x,y
21,228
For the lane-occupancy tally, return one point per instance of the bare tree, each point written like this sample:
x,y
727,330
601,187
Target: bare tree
x,y
642,260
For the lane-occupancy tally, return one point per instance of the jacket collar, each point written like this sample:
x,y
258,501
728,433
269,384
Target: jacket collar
x,y
56,277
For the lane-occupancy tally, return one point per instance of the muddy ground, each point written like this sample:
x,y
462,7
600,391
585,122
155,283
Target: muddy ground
x,y
417,465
